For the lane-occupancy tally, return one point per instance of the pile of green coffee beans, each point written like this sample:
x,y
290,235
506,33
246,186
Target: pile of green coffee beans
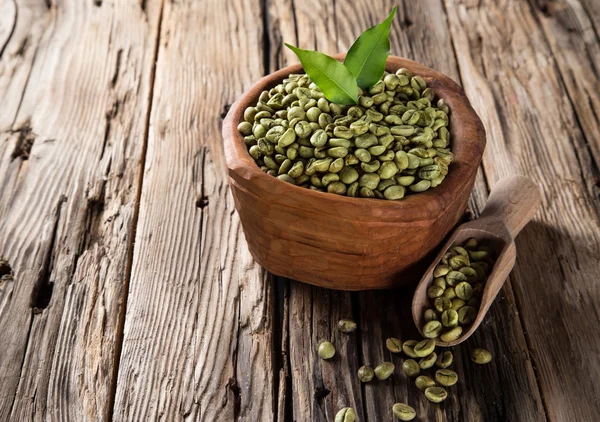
x,y
392,143
458,283
419,356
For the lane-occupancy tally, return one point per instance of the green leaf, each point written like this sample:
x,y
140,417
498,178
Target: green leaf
x,y
367,56
330,75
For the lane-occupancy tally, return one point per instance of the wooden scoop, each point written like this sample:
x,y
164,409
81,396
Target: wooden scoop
x,y
512,203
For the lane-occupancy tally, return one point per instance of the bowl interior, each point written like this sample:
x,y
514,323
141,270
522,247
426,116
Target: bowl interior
x,y
467,144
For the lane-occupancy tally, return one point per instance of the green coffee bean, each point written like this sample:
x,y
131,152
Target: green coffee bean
x,y
420,186
371,167
394,345
365,373
432,329
369,180
348,175
442,303
449,293
441,270
444,360
384,370
449,318
459,250
464,290
440,282
245,128
478,255
481,356
446,377
346,326
387,170
405,180
411,368
408,348
302,179
394,192
286,178
384,184
346,414
459,261
318,138
329,178
457,304
430,315
394,135
326,350
271,163
424,348
466,315
366,192
423,382
428,361
436,394
366,140
451,335
434,292
400,410
470,273
337,152
455,277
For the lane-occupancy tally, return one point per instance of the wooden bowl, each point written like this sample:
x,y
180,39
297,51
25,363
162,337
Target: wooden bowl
x,y
348,243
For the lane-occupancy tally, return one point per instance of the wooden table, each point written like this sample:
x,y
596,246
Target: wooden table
x,y
128,292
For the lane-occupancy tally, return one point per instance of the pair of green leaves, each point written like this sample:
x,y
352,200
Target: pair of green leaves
x,y
363,66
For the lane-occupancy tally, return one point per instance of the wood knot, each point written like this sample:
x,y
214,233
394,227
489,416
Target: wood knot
x,y
202,202
5,268
226,108
25,140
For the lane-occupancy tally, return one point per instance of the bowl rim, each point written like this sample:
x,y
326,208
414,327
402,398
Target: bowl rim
x,y
468,142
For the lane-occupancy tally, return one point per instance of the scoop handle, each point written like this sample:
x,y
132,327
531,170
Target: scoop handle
x,y
514,199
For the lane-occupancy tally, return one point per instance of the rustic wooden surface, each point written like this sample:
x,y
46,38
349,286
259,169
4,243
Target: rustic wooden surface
x,y
130,293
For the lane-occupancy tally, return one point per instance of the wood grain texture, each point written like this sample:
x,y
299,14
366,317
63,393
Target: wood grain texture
x,y
505,391
208,334
558,253
571,30
341,242
198,333
76,79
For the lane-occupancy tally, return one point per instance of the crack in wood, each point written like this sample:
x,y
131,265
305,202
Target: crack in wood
x,y
232,385
110,114
42,290
115,78
265,37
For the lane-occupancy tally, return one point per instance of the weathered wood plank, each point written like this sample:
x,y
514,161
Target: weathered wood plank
x,y
575,47
535,132
319,388
75,82
198,333
420,32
